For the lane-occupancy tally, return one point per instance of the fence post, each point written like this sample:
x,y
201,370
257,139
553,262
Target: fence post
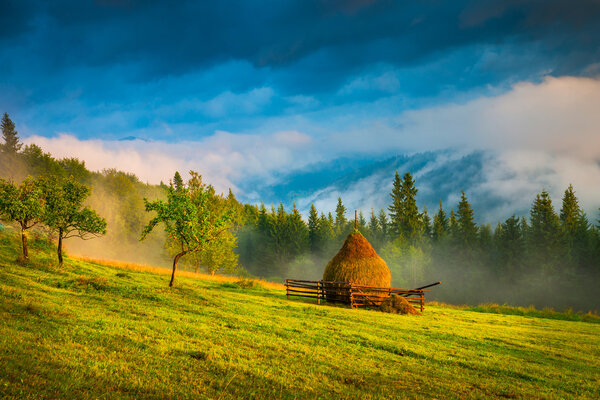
x,y
287,289
351,296
422,298
319,292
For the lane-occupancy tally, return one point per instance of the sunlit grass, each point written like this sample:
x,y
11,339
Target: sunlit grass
x,y
180,272
104,330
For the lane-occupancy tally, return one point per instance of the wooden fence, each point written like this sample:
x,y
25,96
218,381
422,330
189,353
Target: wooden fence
x,y
357,296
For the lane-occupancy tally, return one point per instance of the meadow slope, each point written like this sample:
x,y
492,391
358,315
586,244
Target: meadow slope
x,y
97,331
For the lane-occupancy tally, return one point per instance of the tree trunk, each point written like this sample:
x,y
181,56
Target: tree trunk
x,y
24,242
59,250
175,260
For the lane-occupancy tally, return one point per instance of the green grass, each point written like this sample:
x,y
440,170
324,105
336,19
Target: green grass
x,y
94,331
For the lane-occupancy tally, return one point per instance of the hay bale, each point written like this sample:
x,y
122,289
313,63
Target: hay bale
x,y
398,305
357,262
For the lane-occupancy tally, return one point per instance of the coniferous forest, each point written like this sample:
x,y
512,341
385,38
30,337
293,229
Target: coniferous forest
x,y
548,258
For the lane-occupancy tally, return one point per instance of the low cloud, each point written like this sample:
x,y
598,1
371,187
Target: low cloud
x,y
538,136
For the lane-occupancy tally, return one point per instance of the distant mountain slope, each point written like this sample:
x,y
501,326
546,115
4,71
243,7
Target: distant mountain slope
x,y
364,183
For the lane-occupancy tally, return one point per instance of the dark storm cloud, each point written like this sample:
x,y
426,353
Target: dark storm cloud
x,y
170,37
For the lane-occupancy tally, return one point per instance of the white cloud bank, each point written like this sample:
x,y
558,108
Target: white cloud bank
x,y
545,135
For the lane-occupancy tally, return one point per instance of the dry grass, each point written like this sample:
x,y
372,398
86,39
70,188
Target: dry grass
x,y
357,262
167,271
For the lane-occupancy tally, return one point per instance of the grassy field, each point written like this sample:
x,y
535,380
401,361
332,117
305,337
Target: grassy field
x,y
98,331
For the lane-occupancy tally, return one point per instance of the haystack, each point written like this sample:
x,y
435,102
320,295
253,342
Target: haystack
x,y
358,263
398,305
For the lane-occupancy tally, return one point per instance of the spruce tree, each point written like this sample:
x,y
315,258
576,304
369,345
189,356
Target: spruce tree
x,y
298,232
440,224
570,212
544,236
405,218
362,222
10,136
313,230
467,229
383,225
510,244
411,225
177,181
426,224
395,208
340,218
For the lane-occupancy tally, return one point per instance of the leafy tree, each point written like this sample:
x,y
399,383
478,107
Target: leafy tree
x,y
24,204
188,219
10,136
66,215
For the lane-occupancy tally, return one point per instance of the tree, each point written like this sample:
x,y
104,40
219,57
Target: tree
x,y
383,224
188,219
426,224
395,208
66,215
544,236
313,230
510,245
24,204
340,218
11,143
467,229
404,213
440,224
177,181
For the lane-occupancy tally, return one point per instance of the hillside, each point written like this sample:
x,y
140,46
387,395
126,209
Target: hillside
x,y
90,330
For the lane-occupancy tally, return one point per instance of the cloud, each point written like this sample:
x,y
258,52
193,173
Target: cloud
x,y
534,136
224,159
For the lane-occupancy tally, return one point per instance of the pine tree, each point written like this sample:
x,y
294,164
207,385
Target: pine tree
x,y
298,232
404,213
426,224
177,181
570,213
313,230
544,236
467,229
362,222
395,208
510,244
11,143
340,218
383,225
440,224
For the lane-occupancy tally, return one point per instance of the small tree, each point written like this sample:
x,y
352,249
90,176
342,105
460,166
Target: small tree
x,y
66,215
10,136
24,204
188,219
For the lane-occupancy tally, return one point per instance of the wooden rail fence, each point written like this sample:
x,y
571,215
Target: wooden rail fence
x,y
357,296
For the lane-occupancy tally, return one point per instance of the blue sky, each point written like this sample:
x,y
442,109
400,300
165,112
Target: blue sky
x,y
266,91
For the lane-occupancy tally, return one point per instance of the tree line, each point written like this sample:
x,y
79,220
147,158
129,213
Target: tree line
x,y
551,256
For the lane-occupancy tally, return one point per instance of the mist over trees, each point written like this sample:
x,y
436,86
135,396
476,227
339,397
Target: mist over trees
x,y
550,257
